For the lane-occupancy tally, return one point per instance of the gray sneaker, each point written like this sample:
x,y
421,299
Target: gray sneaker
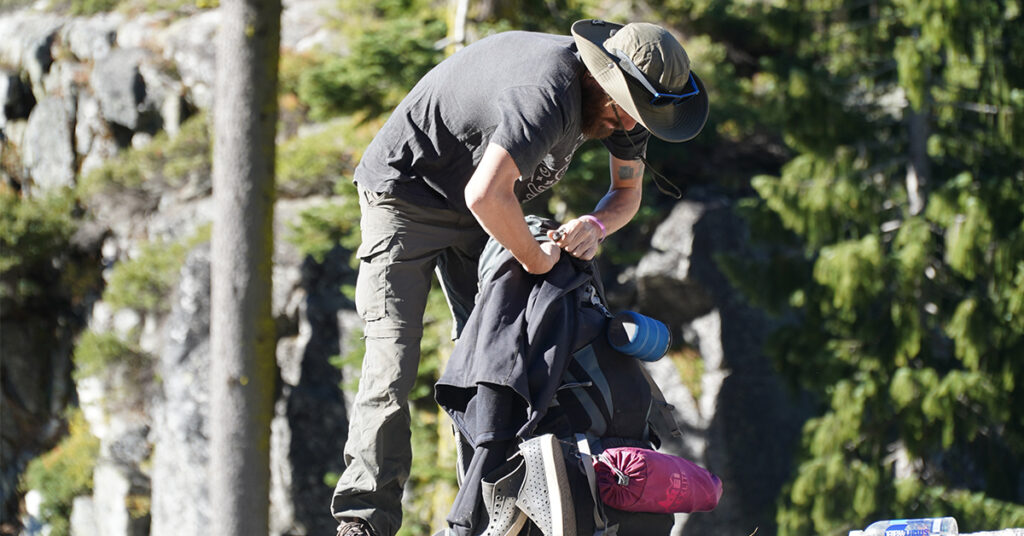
x,y
500,490
545,495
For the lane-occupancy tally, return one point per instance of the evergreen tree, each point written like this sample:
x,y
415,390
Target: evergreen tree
x,y
893,249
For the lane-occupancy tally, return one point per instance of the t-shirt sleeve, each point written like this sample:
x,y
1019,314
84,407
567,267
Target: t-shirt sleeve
x,y
530,122
628,145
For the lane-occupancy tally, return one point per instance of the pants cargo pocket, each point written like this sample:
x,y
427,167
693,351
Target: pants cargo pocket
x,y
371,282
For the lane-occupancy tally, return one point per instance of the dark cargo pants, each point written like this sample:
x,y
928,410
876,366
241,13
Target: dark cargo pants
x,y
403,244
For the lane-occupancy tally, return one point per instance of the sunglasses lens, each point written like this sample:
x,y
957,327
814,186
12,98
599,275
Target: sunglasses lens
x,y
665,100
659,99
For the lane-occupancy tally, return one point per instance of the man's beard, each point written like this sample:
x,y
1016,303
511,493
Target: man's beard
x,y
595,101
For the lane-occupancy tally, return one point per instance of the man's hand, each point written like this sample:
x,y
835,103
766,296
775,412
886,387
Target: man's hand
x,y
544,264
490,196
580,237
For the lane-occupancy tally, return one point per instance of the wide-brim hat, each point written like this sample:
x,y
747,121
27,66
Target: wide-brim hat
x,y
660,58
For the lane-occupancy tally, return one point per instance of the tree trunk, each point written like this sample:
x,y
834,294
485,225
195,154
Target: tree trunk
x,y
918,166
457,31
241,329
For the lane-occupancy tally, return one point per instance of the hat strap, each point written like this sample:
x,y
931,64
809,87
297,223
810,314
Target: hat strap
x,y
677,193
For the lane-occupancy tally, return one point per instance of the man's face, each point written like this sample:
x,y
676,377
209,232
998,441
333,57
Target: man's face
x,y
601,116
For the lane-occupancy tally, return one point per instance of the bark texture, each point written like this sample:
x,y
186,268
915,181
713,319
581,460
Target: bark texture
x,y
242,331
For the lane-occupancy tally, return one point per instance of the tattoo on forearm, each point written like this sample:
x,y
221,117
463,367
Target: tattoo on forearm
x,y
626,173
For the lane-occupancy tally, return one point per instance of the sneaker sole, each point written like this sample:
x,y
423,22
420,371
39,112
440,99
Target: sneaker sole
x,y
517,525
499,497
561,516
554,470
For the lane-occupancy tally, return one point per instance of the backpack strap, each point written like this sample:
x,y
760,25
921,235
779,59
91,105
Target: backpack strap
x,y
660,418
601,527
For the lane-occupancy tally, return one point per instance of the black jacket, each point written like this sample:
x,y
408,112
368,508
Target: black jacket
x,y
533,358
511,357
519,339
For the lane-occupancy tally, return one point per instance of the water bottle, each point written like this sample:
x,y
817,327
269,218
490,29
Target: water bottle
x,y
640,336
927,526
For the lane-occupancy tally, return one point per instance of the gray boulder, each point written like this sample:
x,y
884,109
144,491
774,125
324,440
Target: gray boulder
x,y
165,95
310,423
95,142
312,402
118,84
67,79
303,29
117,406
188,44
180,500
144,30
83,517
92,38
48,152
665,278
26,39
745,424
119,493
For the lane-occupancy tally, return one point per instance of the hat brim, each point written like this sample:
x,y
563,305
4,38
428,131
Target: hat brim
x,y
674,122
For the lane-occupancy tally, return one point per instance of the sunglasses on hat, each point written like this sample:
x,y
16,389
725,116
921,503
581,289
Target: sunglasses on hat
x,y
659,98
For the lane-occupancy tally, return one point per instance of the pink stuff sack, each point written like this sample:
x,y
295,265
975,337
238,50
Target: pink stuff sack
x,y
643,480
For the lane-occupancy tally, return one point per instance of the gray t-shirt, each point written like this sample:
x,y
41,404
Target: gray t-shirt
x,y
519,90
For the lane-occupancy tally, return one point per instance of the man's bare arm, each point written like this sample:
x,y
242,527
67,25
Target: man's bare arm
x,y
490,196
581,236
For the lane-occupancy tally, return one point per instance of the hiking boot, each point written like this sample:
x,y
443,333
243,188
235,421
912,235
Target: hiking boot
x,y
545,494
500,490
354,527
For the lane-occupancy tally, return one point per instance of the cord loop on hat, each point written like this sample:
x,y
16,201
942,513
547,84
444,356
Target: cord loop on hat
x,y
676,192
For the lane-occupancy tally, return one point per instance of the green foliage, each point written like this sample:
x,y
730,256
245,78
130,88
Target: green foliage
x,y
852,272
15,4
92,7
290,68
305,165
166,162
97,352
292,113
31,230
34,236
63,474
973,511
84,8
144,282
312,164
321,228
907,336
388,56
844,187
690,365
903,323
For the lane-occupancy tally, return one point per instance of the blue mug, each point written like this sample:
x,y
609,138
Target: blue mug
x,y
640,336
